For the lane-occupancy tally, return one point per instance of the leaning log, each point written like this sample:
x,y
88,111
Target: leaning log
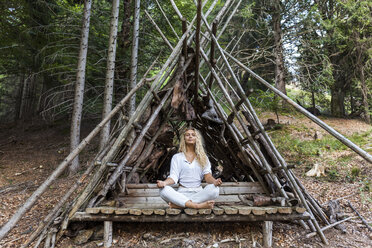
x,y
312,234
62,166
315,119
361,217
315,223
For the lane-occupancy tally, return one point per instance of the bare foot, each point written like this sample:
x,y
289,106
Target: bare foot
x,y
172,205
207,204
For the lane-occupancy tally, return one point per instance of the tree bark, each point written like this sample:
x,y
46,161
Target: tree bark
x,y
19,98
313,101
360,69
27,97
337,102
278,51
134,61
124,42
109,83
364,90
79,86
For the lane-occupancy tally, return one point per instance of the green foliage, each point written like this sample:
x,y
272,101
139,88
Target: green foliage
x,y
286,143
333,174
41,38
264,100
333,46
366,185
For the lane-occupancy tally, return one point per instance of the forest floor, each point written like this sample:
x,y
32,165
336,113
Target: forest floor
x,y
28,155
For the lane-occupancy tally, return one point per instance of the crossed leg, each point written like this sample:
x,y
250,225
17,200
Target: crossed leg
x,y
202,199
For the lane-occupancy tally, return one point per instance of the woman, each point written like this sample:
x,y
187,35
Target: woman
x,y
189,167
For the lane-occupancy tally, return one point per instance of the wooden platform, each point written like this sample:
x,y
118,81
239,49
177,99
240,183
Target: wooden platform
x,y
219,214
142,203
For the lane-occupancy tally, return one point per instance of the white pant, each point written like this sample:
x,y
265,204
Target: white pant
x,y
197,195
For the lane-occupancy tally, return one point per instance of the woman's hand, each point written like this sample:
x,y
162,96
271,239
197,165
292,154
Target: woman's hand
x,y
161,184
217,182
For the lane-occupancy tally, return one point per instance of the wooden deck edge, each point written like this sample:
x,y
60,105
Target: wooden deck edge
x,y
224,184
83,216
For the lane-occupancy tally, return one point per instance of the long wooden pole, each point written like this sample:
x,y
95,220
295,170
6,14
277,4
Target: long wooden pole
x,y
315,119
110,70
275,155
166,18
53,213
232,131
324,239
253,142
197,51
134,58
62,166
312,234
162,75
361,217
159,31
118,171
79,87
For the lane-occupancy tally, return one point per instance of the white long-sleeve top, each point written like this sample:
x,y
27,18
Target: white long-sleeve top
x,y
189,175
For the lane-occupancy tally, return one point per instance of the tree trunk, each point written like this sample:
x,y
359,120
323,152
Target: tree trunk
x,y
109,83
337,102
18,102
360,69
124,41
313,100
365,96
79,86
278,52
134,62
352,103
24,96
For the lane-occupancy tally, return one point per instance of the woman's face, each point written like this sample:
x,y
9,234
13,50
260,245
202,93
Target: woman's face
x,y
190,137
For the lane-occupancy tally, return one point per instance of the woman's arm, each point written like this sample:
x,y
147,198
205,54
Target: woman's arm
x,y
211,180
162,184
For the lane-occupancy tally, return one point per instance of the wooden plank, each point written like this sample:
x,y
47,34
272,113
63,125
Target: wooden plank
x,y
159,211
107,210
191,211
120,211
229,210
204,211
146,205
300,210
223,191
224,184
244,210
241,190
92,210
82,216
158,200
135,211
258,210
285,210
148,211
173,211
218,211
270,210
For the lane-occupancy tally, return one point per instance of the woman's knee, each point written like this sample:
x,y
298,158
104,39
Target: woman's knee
x,y
165,191
213,191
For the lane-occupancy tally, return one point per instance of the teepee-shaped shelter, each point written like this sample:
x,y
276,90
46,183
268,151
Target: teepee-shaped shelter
x,y
120,184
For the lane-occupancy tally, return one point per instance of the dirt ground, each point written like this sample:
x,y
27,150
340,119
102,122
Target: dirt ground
x,y
28,156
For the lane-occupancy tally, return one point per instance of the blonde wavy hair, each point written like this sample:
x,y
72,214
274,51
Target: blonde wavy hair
x,y
201,157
